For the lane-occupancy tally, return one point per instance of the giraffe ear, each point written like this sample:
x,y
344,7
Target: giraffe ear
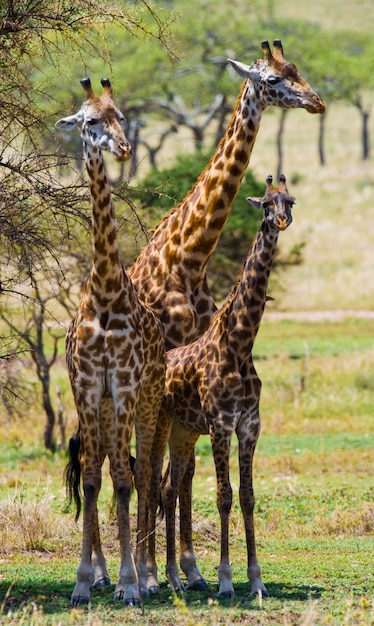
x,y
245,71
255,202
70,122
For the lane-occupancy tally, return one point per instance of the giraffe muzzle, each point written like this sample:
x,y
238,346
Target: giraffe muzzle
x,y
283,222
123,152
315,105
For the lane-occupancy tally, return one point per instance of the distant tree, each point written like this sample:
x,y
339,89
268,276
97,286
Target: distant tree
x,y
32,337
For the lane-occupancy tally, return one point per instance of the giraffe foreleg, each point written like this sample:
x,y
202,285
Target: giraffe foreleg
x,y
102,578
85,571
181,445
157,457
127,588
247,445
142,481
221,450
147,414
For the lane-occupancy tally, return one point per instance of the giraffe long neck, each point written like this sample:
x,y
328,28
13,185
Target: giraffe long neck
x,y
106,274
247,303
195,225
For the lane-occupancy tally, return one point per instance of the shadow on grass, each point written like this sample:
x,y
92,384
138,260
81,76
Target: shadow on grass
x,y
279,591
54,596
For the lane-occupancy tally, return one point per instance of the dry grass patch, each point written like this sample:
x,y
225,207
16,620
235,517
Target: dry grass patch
x,y
358,521
29,524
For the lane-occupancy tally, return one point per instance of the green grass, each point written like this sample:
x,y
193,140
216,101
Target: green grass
x,y
299,340
314,488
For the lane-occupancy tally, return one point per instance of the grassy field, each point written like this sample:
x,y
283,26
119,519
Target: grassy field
x,y
314,510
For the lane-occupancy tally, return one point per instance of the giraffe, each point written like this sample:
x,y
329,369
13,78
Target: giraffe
x,y
212,388
170,272
116,362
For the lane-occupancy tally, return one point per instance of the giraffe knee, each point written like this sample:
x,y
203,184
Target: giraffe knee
x,y
169,494
123,492
224,502
90,491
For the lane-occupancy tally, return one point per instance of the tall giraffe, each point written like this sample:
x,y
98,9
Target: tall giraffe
x,y
116,361
170,272
212,388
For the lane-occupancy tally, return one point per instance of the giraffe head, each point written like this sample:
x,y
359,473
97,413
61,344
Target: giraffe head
x,y
100,121
276,204
278,82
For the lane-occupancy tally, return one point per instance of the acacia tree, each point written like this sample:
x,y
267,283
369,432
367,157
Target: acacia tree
x,y
40,214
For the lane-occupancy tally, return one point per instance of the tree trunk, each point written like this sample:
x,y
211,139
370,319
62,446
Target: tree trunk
x,y
321,139
365,114
365,135
60,420
199,137
49,441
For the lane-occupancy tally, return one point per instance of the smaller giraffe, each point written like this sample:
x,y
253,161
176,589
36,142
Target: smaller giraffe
x,y
212,388
115,356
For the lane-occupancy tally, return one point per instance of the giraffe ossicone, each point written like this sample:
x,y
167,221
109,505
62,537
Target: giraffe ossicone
x,y
116,363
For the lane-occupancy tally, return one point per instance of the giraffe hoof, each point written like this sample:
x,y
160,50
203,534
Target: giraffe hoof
x,y
131,602
198,585
262,592
225,595
102,582
118,596
178,588
79,601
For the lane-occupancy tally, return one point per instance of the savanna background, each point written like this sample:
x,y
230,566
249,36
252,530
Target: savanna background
x,y
314,462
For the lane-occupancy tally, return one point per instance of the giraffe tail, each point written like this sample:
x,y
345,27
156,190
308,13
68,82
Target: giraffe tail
x,y
72,474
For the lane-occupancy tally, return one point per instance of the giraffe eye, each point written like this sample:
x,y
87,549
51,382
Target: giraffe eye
x,y
92,122
273,80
